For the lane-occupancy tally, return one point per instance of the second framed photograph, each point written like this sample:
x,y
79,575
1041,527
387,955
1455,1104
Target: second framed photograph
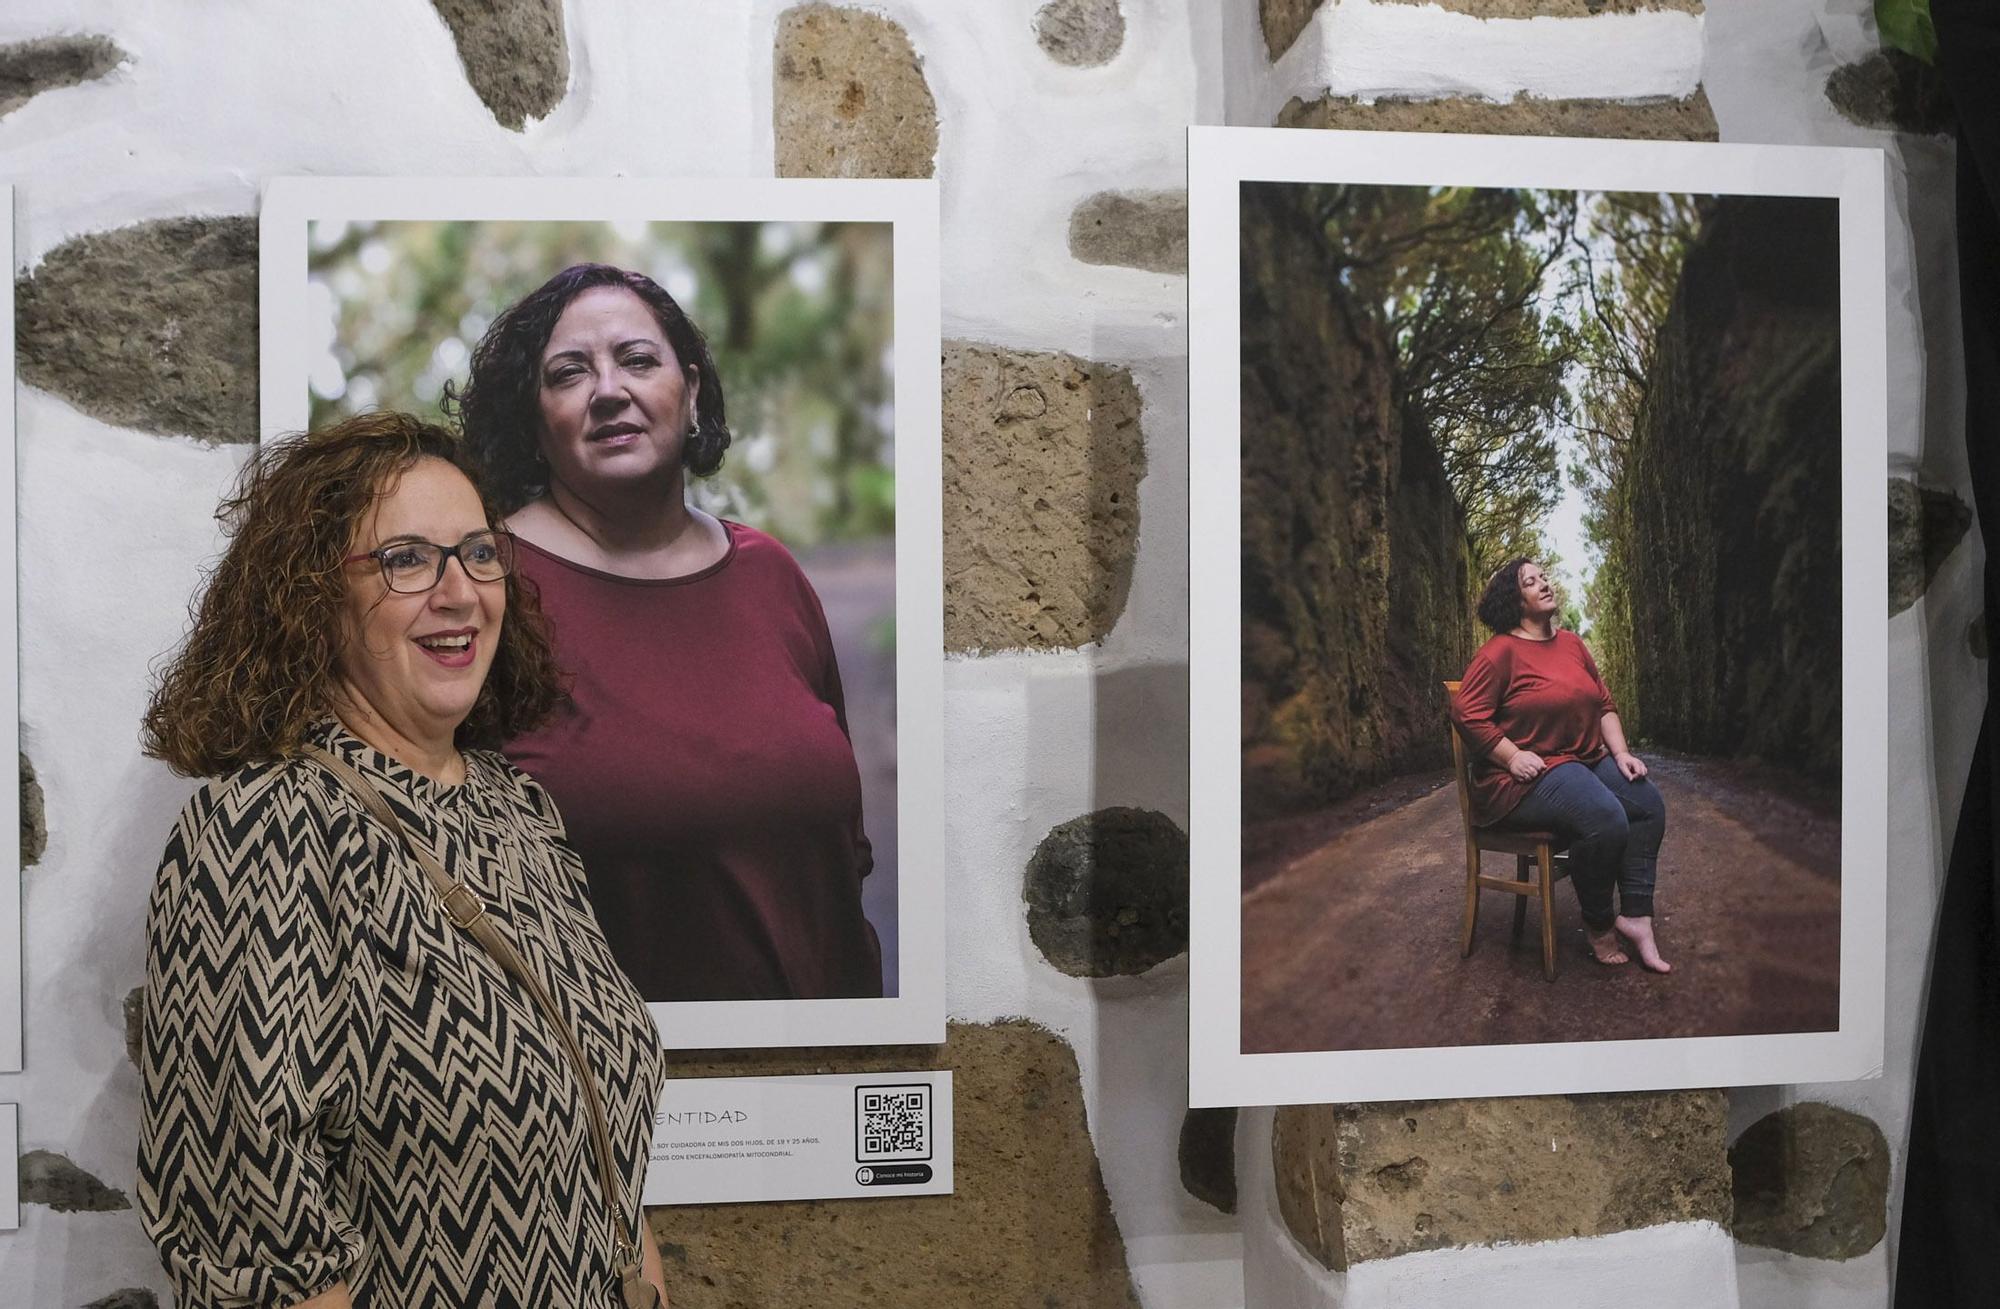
x,y
747,758
1538,589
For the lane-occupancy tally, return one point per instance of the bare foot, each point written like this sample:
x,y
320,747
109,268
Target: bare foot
x,y
1606,948
1639,931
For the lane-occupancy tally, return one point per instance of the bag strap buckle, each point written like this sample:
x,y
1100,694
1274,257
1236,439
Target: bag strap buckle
x,y
461,906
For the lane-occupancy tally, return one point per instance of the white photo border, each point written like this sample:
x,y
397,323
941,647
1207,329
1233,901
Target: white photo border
x,y
1219,161
915,1015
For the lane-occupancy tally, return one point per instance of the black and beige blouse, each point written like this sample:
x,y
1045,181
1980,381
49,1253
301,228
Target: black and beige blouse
x,y
340,1085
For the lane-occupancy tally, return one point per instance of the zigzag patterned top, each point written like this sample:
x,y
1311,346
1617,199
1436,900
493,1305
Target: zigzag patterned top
x,y
339,1084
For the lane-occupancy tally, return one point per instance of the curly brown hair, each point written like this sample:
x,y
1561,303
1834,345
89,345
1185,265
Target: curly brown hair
x,y
1500,603
258,666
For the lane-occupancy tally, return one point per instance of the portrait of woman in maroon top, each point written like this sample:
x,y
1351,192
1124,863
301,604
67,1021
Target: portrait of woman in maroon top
x,y
702,756
1549,754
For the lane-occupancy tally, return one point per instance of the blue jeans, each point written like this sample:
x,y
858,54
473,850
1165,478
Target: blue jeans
x,y
1612,827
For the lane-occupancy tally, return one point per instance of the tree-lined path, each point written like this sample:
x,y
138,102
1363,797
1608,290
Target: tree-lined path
x,y
1353,943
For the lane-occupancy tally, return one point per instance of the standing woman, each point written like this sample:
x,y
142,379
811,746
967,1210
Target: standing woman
x,y
702,755
1550,755
357,1091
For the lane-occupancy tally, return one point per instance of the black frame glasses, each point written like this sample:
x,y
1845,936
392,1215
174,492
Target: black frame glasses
x,y
500,567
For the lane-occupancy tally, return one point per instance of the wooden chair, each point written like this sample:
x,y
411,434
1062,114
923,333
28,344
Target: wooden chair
x,y
1539,847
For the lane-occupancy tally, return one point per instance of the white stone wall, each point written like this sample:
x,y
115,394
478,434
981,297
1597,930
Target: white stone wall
x,y
219,96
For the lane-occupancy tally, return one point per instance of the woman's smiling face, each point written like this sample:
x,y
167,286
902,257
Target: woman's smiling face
x,y
616,403
418,660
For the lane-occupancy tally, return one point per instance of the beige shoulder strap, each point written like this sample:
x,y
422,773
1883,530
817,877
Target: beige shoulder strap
x,y
468,914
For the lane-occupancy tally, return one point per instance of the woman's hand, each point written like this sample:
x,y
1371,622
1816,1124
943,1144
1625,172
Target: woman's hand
x,y
1631,765
1526,765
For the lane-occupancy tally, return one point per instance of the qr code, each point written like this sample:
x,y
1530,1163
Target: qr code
x,y
892,1122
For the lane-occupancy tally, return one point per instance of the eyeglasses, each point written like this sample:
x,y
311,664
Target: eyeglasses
x,y
414,567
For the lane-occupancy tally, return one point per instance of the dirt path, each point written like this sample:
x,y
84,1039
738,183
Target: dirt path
x,y
856,584
1353,945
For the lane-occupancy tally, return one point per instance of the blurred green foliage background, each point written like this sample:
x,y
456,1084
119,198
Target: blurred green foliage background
x,y
798,315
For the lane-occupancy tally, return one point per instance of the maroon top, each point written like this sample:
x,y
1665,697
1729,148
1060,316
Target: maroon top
x,y
703,767
1544,696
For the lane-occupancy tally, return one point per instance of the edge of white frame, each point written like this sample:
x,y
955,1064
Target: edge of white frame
x,y
916,1015
1219,159
12,972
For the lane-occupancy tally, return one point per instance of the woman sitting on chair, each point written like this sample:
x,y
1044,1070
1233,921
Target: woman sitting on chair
x,y
1549,754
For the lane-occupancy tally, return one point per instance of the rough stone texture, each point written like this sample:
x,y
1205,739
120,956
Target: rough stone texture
x,y
134,1009
34,817
1976,639
1689,119
1138,229
1727,537
1356,565
1893,90
1080,33
132,1297
1554,8
1305,1164
1813,1180
51,1179
28,68
151,326
1359,1182
1925,526
1107,893
1029,1224
849,97
1208,1157
1042,459
514,52
1283,21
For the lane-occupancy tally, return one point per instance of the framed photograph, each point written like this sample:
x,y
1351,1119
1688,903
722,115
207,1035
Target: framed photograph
x,y
1538,661
10,680
748,757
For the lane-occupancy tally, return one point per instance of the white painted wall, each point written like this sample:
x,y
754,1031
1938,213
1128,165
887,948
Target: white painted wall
x,y
222,95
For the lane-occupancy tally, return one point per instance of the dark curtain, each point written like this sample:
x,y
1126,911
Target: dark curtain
x,y
1949,1251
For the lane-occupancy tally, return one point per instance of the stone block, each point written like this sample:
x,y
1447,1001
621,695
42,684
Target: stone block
x,y
28,68
1107,893
1042,459
1283,20
1813,1180
1894,91
1925,526
1135,229
131,1297
34,817
1360,1182
1305,1163
1688,119
1029,1223
51,1179
133,1010
849,97
515,54
1208,1157
1080,33
152,326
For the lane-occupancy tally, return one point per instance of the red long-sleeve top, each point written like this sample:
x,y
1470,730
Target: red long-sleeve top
x,y
1544,696
703,766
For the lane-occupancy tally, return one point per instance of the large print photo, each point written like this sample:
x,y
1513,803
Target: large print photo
x,y
689,428
1541,615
